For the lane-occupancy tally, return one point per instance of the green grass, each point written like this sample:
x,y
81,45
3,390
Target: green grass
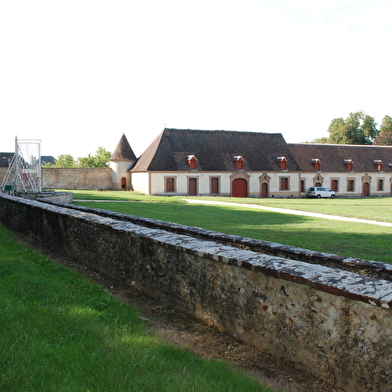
x,y
345,238
60,332
377,208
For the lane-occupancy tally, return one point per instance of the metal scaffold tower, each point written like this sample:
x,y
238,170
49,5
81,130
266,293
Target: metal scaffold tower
x,y
24,169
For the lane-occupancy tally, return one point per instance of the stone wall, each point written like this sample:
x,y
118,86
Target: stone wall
x,y
73,178
77,178
330,322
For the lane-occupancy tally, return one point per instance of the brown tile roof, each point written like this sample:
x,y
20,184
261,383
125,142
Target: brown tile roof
x,y
332,157
215,151
123,151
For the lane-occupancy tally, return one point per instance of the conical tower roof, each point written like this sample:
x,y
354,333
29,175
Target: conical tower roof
x,y
123,151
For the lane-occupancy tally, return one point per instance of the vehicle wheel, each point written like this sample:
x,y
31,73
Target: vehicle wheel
x,y
332,196
318,196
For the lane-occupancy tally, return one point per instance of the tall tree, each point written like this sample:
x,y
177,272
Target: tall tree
x,y
338,133
384,138
357,128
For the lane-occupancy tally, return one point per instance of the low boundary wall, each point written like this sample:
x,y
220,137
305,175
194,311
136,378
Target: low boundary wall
x,y
330,322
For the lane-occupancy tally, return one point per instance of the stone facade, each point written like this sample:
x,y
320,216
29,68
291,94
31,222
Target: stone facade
x,y
330,322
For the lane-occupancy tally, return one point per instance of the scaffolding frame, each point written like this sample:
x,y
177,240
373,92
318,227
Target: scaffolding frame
x,y
24,174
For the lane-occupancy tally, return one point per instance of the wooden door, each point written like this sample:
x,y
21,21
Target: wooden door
x,y
264,189
239,188
192,186
365,189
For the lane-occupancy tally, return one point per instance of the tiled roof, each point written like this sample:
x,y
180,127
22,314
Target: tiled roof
x,y
123,151
48,159
332,156
215,151
5,157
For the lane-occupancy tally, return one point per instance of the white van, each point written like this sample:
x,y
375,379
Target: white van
x,y
320,192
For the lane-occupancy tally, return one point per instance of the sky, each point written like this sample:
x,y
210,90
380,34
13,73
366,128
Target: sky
x,y
77,74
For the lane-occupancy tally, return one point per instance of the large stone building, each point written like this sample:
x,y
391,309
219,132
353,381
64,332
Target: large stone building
x,y
248,164
229,163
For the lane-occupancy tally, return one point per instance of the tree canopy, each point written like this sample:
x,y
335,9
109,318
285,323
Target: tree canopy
x,y
357,128
384,138
100,159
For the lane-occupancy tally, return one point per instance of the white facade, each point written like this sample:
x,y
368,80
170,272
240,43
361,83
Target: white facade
x,y
350,184
157,183
121,177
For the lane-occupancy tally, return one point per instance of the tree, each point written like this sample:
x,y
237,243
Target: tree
x,y
65,161
338,133
100,159
320,140
357,128
384,138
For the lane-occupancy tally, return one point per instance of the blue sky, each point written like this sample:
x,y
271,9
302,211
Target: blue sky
x,y
79,74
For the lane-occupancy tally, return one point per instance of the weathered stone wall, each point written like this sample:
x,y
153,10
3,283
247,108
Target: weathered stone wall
x,y
73,178
77,178
327,321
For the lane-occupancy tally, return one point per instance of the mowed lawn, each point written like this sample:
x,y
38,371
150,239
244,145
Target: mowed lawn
x,y
63,333
349,239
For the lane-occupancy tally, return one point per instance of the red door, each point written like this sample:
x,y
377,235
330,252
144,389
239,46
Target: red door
x,y
264,189
365,189
239,188
192,187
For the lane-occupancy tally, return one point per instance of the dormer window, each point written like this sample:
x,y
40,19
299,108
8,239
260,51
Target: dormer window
x,y
239,162
316,164
378,163
192,162
349,164
282,162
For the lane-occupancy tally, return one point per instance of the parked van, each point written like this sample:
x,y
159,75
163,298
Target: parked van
x,y
320,192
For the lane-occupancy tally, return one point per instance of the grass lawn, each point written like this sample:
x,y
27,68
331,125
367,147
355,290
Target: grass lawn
x,y
60,332
345,238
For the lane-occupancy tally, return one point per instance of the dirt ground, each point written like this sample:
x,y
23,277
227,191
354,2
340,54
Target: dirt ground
x,y
183,330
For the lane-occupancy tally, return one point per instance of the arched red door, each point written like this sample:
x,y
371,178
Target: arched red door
x,y
239,188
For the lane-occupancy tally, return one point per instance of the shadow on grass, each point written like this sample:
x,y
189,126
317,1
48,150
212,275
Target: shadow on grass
x,y
345,238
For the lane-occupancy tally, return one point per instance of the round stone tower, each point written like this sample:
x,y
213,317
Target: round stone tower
x,y
121,161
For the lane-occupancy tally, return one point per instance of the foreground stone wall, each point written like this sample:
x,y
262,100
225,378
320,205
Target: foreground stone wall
x,y
330,322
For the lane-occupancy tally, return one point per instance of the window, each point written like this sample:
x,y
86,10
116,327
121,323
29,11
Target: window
x,y
214,185
282,162
284,184
349,164
303,188
350,185
170,184
192,162
239,162
316,164
378,164
380,184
